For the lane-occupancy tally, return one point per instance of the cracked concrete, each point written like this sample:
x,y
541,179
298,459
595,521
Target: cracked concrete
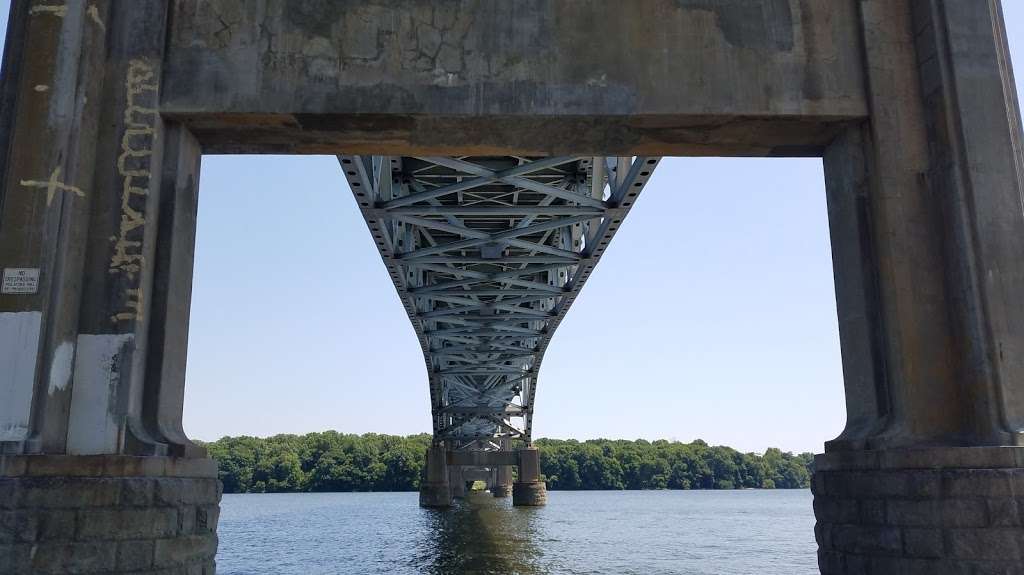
x,y
280,60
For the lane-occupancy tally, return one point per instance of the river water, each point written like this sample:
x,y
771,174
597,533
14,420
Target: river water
x,y
588,532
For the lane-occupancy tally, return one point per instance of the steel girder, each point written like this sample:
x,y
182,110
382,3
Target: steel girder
x,y
487,254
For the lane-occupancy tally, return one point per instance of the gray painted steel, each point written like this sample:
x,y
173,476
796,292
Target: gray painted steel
x,y
487,254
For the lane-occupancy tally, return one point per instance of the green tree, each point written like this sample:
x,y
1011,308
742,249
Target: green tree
x,y
332,461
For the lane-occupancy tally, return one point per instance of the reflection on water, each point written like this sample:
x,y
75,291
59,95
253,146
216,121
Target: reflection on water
x,y
595,532
479,534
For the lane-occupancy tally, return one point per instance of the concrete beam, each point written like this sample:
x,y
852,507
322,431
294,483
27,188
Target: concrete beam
x,y
760,77
483,458
476,474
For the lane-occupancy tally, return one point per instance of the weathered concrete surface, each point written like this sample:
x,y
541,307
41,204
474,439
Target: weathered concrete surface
x,y
107,106
51,89
471,475
123,252
757,77
976,166
917,511
473,458
501,485
456,481
108,514
529,490
435,495
449,471
100,341
529,494
927,227
435,491
927,219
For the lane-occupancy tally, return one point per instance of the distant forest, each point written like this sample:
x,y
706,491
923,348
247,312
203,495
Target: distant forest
x,y
332,461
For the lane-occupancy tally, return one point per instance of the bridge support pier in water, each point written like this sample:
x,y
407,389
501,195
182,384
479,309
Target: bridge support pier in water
x,y
501,485
927,225
447,473
435,491
456,481
529,490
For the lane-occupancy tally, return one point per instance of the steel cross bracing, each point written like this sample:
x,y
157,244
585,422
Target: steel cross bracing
x,y
487,255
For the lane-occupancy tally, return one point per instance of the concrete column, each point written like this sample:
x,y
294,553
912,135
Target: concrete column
x,y
96,333
109,411
529,490
53,79
435,490
98,211
925,207
502,485
457,481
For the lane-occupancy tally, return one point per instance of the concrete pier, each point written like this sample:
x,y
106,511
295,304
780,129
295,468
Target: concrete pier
x,y
501,491
529,490
449,472
456,481
106,108
435,491
926,476
502,484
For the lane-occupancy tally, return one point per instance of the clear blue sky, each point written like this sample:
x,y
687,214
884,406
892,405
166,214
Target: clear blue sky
x,y
712,314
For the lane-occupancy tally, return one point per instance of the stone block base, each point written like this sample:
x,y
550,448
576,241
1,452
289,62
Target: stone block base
x,y
533,494
435,495
884,519
108,514
501,490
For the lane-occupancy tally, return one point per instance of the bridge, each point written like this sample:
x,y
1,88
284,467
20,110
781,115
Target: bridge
x,y
493,149
487,255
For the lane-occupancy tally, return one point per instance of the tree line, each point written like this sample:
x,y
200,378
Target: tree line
x,y
332,461
661,464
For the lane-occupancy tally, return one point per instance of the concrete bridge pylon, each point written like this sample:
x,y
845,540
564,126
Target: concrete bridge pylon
x,y
106,109
449,470
501,485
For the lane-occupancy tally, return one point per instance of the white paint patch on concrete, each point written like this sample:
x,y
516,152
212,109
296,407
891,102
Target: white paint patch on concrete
x,y
60,370
94,14
13,432
93,427
19,353
59,10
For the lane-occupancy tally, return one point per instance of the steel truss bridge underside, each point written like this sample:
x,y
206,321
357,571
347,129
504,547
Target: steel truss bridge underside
x,y
487,254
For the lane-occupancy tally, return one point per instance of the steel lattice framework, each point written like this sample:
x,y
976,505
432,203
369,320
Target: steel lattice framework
x,y
487,255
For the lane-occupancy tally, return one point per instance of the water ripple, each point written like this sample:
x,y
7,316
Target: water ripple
x,y
578,533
